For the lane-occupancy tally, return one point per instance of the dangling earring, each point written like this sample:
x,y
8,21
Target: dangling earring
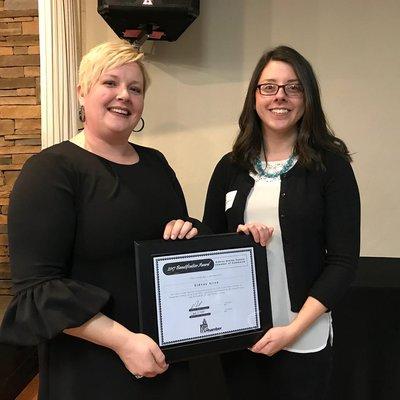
x,y
81,114
141,128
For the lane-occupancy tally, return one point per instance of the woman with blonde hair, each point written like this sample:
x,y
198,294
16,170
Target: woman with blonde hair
x,y
75,211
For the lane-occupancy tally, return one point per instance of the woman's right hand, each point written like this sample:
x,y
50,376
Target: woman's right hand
x,y
142,356
260,232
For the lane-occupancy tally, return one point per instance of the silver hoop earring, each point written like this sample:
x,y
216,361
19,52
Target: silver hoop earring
x,y
81,114
141,128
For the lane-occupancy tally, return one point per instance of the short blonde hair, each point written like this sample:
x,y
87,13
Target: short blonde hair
x,y
106,56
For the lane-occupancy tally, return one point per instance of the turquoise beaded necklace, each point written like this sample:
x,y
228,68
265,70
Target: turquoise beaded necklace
x,y
263,171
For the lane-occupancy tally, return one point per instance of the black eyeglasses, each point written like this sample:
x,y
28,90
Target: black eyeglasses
x,y
271,89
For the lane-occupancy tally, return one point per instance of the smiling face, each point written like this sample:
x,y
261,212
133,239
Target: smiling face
x,y
279,113
114,104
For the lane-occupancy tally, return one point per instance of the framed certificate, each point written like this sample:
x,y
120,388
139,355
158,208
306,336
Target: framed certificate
x,y
206,295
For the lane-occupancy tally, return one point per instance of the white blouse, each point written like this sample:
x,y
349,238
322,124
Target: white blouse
x,y
262,206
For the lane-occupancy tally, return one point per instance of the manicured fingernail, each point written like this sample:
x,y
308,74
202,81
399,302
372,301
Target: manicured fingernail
x,y
172,237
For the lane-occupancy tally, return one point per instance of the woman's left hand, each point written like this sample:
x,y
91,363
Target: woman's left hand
x,y
179,229
280,337
275,340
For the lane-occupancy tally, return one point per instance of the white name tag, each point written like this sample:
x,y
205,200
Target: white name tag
x,y
229,198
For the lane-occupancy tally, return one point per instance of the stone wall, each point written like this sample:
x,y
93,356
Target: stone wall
x,y
19,108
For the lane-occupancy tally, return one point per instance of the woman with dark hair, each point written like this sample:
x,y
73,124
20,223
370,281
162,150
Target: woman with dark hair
x,y
288,182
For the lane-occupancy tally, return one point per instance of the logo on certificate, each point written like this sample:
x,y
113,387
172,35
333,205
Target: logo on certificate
x,y
205,329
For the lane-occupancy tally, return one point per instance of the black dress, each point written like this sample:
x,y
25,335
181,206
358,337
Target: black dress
x,y
73,218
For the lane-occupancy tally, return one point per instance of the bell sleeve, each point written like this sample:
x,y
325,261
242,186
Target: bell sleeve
x,y
41,225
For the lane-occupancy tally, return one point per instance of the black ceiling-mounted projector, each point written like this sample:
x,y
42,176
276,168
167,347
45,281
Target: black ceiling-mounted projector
x,y
153,19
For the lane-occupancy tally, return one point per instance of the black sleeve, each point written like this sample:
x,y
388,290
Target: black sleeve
x,y
201,227
342,233
41,225
214,209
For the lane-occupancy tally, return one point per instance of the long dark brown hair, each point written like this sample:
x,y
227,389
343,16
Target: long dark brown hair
x,y
314,134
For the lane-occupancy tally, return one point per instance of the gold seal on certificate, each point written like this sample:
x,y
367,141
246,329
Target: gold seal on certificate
x,y
201,296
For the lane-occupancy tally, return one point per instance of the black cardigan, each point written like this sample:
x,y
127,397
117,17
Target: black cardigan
x,y
319,215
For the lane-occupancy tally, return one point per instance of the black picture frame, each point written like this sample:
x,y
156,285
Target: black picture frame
x,y
146,251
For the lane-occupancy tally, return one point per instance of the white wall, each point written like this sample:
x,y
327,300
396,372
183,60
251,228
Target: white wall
x,y
199,83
